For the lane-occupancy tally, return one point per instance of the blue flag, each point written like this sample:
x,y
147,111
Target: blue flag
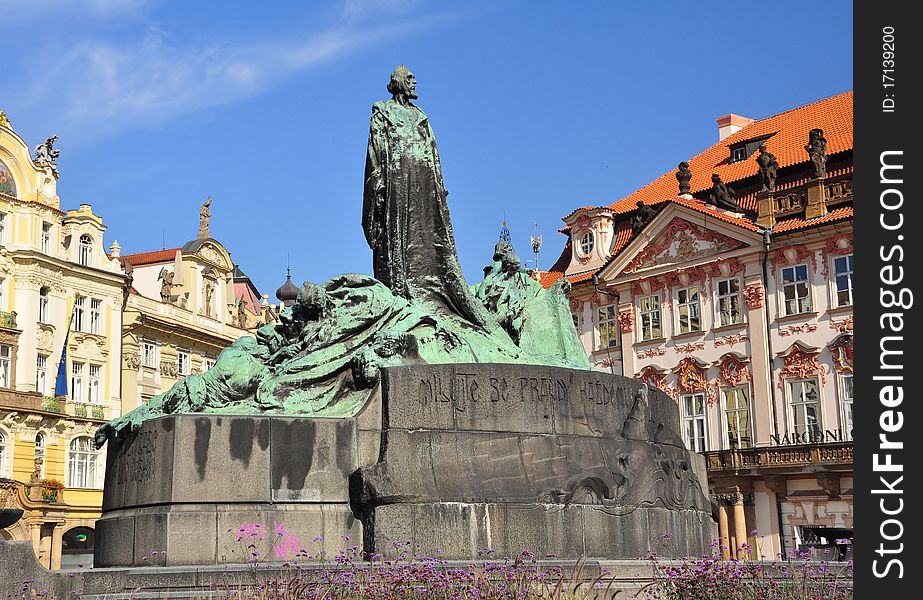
x,y
60,382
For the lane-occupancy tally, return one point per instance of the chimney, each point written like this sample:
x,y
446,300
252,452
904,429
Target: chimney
x,y
115,250
731,124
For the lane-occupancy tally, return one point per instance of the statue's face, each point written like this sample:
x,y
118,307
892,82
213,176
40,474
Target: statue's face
x,y
410,85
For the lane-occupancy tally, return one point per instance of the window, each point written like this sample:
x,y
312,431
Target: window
x,y
6,353
43,315
728,302
3,228
649,307
608,326
40,446
41,374
182,362
46,238
842,268
77,382
6,448
804,407
85,251
795,290
81,463
587,242
737,411
694,422
93,390
149,354
79,313
738,154
96,316
847,404
688,310
207,363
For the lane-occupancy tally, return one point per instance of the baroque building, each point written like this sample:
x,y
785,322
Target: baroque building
x,y
184,306
727,284
57,287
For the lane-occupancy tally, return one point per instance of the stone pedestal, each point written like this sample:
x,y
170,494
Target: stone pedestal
x,y
455,458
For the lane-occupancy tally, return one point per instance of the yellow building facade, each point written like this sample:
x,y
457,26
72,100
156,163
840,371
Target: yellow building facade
x,y
56,283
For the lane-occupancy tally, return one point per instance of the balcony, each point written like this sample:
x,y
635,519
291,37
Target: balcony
x,y
7,319
775,457
81,410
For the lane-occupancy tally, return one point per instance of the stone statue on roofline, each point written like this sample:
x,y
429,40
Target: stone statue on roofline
x,y
721,195
769,168
324,355
205,215
817,150
683,176
46,155
642,216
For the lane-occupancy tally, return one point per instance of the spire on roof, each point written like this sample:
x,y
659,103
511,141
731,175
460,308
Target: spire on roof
x,y
287,292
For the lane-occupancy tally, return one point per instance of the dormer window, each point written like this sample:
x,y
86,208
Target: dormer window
x,y
744,150
587,241
85,251
738,154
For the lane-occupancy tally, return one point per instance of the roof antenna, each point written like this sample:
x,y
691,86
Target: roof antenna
x,y
163,238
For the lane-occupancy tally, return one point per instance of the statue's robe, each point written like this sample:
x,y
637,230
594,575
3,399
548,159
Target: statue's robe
x,y
405,216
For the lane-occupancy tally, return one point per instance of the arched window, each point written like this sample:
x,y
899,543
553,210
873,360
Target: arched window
x,y
43,300
6,451
40,446
82,461
586,243
85,251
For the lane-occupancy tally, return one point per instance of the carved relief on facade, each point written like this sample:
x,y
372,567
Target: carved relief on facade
x,y
681,241
645,286
800,362
654,378
733,369
726,267
753,296
837,245
792,255
842,350
843,326
793,329
685,277
731,340
169,368
689,348
651,353
839,190
575,305
44,337
133,360
690,376
626,321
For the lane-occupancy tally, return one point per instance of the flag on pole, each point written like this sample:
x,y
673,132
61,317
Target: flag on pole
x,y
60,383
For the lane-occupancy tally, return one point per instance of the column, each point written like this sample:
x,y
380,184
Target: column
x,y
35,534
723,532
57,536
740,525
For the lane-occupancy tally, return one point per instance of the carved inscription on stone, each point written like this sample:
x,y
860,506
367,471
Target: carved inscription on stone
x,y
137,464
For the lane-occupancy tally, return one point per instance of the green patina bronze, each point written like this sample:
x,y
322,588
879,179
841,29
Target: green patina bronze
x,y
324,358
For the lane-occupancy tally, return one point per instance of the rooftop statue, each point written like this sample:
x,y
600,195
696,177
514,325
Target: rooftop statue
x,y
324,357
721,195
769,168
817,150
47,155
683,176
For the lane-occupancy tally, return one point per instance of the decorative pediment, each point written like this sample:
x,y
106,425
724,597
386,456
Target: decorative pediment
x,y
690,375
842,350
654,377
733,369
214,254
681,242
800,362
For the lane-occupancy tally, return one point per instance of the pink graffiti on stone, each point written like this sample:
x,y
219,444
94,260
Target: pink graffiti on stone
x,y
286,541
253,531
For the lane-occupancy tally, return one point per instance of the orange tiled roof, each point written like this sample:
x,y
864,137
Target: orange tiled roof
x,y
150,258
838,214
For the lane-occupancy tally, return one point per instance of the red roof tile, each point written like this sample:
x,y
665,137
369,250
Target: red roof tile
x,y
838,214
150,258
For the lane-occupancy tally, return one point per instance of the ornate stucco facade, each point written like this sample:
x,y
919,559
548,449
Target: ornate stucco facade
x,y
56,283
743,316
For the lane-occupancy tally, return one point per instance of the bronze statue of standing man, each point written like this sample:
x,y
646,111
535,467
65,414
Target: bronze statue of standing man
x,y
404,214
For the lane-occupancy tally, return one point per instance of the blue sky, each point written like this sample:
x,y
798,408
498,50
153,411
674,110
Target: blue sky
x,y
538,107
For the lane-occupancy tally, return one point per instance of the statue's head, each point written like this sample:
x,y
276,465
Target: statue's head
x,y
403,82
816,134
683,166
310,303
715,178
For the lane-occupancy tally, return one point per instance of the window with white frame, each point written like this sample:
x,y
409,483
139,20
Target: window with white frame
x,y
847,391
96,316
796,291
41,445
93,384
737,416
6,450
608,326
149,354
587,241
696,432
729,302
6,361
43,305
80,309
207,363
85,251
649,311
182,362
41,374
843,269
688,309
82,459
804,403
46,238
77,375
3,223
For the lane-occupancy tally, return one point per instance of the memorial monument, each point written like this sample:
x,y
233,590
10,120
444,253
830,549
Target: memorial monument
x,y
405,407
